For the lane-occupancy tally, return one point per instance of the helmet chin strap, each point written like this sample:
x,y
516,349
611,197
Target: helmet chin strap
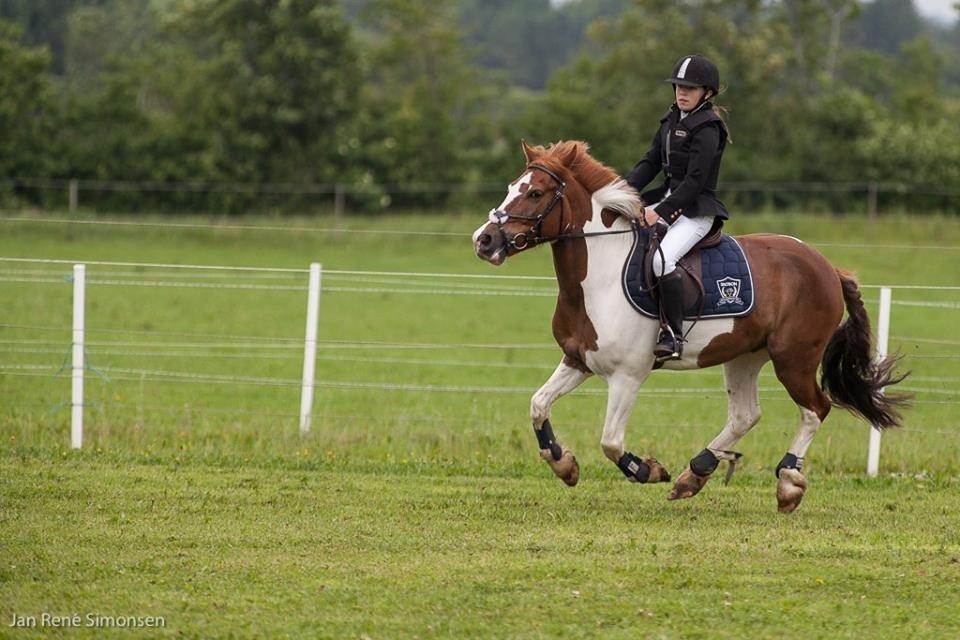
x,y
707,94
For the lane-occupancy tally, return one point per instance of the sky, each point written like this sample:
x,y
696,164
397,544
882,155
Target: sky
x,y
941,10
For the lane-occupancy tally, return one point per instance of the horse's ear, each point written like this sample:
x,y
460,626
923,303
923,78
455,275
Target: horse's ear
x,y
568,153
529,152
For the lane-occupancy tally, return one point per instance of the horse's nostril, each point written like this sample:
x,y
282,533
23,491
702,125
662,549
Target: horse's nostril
x,y
485,240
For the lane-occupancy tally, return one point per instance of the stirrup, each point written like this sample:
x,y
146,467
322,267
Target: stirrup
x,y
669,347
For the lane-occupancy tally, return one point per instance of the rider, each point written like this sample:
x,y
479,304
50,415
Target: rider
x,y
688,147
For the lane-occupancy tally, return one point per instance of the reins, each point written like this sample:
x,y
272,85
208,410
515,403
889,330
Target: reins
x,y
521,240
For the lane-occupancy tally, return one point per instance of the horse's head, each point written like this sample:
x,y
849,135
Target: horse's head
x,y
536,208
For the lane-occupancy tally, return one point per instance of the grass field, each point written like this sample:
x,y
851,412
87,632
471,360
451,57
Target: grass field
x,y
417,507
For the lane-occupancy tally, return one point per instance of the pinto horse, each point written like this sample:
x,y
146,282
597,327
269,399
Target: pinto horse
x,y
588,215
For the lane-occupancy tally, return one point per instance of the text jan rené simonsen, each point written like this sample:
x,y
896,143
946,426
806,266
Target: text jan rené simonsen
x,y
85,620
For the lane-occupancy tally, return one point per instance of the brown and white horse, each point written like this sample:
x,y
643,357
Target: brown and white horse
x,y
569,200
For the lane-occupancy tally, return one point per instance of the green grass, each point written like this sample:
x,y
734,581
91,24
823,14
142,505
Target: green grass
x,y
412,513
285,551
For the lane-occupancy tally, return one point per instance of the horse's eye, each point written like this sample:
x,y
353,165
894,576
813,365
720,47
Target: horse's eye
x,y
535,194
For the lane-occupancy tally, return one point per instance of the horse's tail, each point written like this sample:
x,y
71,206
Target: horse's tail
x,y
850,376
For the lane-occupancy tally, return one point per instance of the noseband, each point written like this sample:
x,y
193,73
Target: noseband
x,y
521,240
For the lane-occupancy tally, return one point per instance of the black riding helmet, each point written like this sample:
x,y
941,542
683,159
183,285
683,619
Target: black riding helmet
x,y
696,71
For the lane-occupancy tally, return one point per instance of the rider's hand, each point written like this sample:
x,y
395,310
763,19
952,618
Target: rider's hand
x,y
650,216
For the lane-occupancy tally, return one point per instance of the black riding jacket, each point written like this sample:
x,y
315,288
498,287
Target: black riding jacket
x,y
689,152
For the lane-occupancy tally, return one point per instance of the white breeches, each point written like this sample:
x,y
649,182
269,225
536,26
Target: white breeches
x,y
682,236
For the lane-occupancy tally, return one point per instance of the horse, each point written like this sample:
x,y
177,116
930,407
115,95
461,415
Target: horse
x,y
589,215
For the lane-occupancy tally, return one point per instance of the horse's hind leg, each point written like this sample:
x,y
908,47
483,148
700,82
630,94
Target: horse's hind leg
x,y
565,379
798,373
743,411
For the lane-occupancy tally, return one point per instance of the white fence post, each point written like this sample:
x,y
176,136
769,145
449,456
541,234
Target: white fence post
x,y
310,349
883,338
76,418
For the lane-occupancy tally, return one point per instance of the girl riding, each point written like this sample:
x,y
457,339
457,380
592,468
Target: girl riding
x,y
688,147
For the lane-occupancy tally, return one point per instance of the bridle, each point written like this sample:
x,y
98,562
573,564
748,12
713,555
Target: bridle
x,y
521,240
534,237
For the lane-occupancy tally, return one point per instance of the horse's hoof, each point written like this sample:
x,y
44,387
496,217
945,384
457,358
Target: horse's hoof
x,y
657,472
790,489
687,485
566,468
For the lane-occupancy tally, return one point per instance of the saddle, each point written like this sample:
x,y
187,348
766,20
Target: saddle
x,y
689,265
716,275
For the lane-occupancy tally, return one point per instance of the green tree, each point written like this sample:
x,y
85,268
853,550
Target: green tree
x,y
429,113
918,89
270,85
110,134
884,25
43,23
528,40
97,34
614,97
247,91
27,115
815,110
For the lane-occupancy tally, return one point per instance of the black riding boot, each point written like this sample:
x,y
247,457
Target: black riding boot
x,y
670,345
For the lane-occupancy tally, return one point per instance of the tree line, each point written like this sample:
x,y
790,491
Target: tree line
x,y
264,104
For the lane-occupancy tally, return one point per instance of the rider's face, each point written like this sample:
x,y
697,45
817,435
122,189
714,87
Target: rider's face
x,y
689,97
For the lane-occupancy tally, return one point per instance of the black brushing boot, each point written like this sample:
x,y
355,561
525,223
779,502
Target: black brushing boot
x,y
670,345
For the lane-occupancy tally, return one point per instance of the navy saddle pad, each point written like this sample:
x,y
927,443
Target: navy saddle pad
x,y
724,271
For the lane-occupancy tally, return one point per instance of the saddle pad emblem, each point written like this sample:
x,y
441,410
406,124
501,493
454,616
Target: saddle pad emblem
x,y
729,289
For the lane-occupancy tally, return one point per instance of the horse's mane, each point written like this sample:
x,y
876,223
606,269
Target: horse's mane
x,y
605,185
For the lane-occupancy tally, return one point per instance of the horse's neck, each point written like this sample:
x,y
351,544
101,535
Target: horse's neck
x,y
570,265
592,265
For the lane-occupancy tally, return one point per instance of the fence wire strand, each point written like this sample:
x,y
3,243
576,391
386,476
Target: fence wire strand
x,y
384,232
274,348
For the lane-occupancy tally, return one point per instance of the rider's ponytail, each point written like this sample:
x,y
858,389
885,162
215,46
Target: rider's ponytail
x,y
723,113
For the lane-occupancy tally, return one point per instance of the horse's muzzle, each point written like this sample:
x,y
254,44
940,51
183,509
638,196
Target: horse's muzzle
x,y
490,244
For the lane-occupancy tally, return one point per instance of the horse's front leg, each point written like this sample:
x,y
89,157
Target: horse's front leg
x,y
622,393
565,379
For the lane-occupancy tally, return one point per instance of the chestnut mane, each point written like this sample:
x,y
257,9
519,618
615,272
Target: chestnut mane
x,y
604,184
574,156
